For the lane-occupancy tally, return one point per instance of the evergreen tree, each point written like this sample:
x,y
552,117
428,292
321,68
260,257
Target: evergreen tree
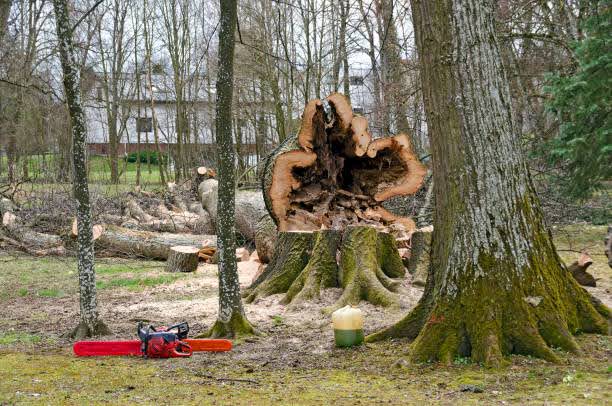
x,y
583,101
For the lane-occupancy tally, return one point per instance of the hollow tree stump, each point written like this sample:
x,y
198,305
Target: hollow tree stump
x,y
324,189
182,258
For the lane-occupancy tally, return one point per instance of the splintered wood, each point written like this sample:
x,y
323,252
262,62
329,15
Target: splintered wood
x,y
332,174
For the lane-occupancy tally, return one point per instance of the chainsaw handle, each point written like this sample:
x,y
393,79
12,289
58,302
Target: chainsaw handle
x,y
186,350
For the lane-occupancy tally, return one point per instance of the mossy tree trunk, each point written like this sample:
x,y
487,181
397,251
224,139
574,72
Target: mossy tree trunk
x,y
90,322
304,263
231,321
496,284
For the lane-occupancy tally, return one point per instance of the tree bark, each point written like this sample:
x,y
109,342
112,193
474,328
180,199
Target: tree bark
x,y
231,320
5,9
90,323
496,284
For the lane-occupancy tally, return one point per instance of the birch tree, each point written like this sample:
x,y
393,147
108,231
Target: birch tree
x,y
231,320
90,322
496,284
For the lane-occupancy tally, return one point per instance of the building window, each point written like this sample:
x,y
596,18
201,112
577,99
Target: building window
x,y
144,124
356,80
99,94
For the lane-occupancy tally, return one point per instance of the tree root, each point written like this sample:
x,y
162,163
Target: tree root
x,y
304,263
486,323
238,326
320,272
83,330
290,258
361,273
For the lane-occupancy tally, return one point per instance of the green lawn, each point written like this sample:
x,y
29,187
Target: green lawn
x,y
99,172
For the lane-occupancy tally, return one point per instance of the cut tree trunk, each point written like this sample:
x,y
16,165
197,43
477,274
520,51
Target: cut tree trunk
x,y
201,174
143,244
420,251
265,238
182,258
324,188
306,262
332,174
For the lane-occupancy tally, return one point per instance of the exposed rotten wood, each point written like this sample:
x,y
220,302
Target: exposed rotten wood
x,y
332,174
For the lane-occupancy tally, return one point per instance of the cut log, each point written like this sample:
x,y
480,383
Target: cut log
x,y
207,253
97,230
265,238
29,240
182,258
143,244
242,254
579,270
201,173
249,205
134,210
6,206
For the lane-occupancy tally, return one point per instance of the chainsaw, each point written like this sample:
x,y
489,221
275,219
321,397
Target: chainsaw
x,y
161,342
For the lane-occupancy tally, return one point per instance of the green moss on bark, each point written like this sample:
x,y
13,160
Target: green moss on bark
x,y
389,257
320,272
290,258
361,275
238,326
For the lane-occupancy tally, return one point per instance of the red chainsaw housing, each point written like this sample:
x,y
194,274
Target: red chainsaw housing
x,y
133,347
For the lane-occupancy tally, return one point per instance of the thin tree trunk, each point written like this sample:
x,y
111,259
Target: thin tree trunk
x,y
90,323
496,284
231,320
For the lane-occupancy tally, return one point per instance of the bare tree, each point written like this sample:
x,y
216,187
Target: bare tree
x,y
231,320
90,322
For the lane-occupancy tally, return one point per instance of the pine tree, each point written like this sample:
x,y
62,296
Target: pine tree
x,y
582,103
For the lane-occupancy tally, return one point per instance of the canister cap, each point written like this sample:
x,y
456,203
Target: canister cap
x,y
347,318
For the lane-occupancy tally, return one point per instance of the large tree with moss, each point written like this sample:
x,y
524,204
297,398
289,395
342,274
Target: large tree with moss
x,y
497,285
231,321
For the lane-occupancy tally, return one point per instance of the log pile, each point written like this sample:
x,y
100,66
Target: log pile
x,y
16,233
324,189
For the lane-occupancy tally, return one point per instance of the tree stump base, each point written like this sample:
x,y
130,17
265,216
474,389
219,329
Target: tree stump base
x,y
182,258
361,260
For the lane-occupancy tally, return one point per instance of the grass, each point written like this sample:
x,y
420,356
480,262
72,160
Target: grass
x,y
357,376
136,284
50,293
11,337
